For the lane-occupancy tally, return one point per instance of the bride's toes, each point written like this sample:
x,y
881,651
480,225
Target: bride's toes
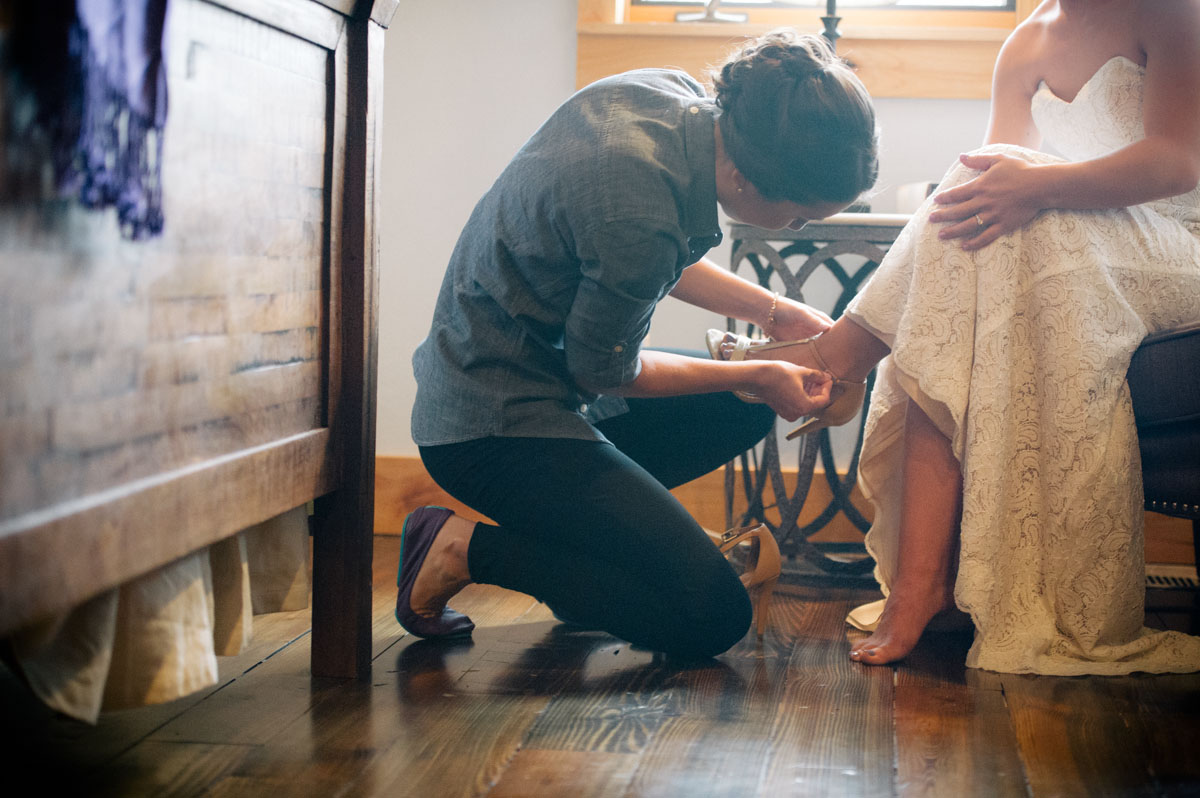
x,y
871,653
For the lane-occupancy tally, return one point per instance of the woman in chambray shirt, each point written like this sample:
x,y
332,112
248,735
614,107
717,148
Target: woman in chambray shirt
x,y
537,405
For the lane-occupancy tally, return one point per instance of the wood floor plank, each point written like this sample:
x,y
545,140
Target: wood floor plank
x,y
323,752
702,758
365,739
614,709
461,748
251,708
720,740
954,741
528,706
1165,712
1074,737
954,736
568,773
168,769
352,739
833,730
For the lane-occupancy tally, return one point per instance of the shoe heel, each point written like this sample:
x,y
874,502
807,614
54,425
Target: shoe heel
x,y
814,424
762,604
761,579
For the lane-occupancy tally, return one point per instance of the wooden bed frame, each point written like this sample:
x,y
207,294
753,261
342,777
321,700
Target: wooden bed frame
x,y
158,396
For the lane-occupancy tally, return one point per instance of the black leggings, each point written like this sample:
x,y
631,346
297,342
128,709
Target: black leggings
x,y
592,530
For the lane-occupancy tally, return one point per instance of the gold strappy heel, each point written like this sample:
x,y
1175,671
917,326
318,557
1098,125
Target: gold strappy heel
x,y
768,564
839,411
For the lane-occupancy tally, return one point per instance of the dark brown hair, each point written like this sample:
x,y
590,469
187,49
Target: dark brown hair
x,y
796,121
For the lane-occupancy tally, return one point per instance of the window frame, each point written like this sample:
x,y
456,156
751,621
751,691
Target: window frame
x,y
910,53
869,17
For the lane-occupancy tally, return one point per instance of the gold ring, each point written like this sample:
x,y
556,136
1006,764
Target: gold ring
x,y
978,220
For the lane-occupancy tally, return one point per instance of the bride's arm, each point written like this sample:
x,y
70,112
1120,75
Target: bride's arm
x,y
1167,161
1010,192
1014,81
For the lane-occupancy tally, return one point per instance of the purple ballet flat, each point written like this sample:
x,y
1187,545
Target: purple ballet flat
x,y
420,528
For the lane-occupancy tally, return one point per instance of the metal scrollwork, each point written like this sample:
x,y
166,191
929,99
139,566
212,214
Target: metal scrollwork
x,y
792,258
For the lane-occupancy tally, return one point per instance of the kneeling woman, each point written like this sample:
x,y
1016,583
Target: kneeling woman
x,y
537,405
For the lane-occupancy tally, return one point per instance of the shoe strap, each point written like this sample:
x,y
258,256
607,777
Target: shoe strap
x,y
816,353
737,532
740,348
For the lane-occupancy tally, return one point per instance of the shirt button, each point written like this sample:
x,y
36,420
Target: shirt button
x,y
583,408
695,109
618,348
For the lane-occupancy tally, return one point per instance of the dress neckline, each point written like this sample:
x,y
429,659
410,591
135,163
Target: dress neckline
x,y
1043,87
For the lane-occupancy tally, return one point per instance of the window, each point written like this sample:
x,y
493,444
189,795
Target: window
x,y
941,49
972,13
993,4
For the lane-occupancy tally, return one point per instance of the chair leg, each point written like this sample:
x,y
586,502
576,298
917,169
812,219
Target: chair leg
x,y
1194,621
1196,543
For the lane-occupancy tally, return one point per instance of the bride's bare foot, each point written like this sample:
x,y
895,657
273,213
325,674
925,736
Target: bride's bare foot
x,y
906,615
444,571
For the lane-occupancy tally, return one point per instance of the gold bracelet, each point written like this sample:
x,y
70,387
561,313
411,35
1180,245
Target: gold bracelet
x,y
771,315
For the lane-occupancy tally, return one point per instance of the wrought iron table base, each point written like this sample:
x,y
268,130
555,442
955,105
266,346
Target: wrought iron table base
x,y
793,257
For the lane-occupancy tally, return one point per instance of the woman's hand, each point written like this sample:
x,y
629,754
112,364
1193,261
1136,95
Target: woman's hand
x,y
1001,199
790,390
795,320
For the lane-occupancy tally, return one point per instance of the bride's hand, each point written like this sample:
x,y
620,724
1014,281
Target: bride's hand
x,y
795,320
1000,199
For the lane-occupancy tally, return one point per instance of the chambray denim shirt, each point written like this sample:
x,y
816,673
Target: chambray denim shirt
x,y
560,266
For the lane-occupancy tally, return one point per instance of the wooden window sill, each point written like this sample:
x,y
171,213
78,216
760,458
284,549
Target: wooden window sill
x,y
892,61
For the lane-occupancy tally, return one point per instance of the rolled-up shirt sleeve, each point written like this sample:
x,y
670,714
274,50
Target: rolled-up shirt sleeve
x,y
631,268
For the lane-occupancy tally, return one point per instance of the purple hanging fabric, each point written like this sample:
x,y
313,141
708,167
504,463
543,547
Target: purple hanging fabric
x,y
117,51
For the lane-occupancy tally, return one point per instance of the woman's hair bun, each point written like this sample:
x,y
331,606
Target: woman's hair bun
x,y
796,120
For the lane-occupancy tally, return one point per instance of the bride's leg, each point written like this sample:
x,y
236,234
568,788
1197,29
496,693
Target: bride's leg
x,y
850,350
929,523
931,504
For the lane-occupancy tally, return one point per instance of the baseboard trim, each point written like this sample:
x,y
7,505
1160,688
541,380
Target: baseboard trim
x,y
402,483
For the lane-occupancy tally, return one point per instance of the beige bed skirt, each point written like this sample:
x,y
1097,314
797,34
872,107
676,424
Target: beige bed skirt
x,y
157,638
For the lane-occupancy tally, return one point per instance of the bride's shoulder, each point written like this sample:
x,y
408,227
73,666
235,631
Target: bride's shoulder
x,y
1023,54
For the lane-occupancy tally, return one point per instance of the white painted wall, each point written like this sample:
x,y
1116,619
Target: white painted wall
x,y
466,82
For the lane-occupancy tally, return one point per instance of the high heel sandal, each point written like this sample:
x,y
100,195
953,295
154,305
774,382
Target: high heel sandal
x,y
839,411
768,564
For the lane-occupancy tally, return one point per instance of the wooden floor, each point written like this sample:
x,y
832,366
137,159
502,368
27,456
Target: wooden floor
x,y
530,708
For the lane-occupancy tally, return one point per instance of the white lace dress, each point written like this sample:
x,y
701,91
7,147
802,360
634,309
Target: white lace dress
x,y
1018,352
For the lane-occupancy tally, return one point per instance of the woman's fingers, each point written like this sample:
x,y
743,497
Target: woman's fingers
x,y
964,191
981,240
968,226
978,162
951,200
801,391
975,232
819,388
964,202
